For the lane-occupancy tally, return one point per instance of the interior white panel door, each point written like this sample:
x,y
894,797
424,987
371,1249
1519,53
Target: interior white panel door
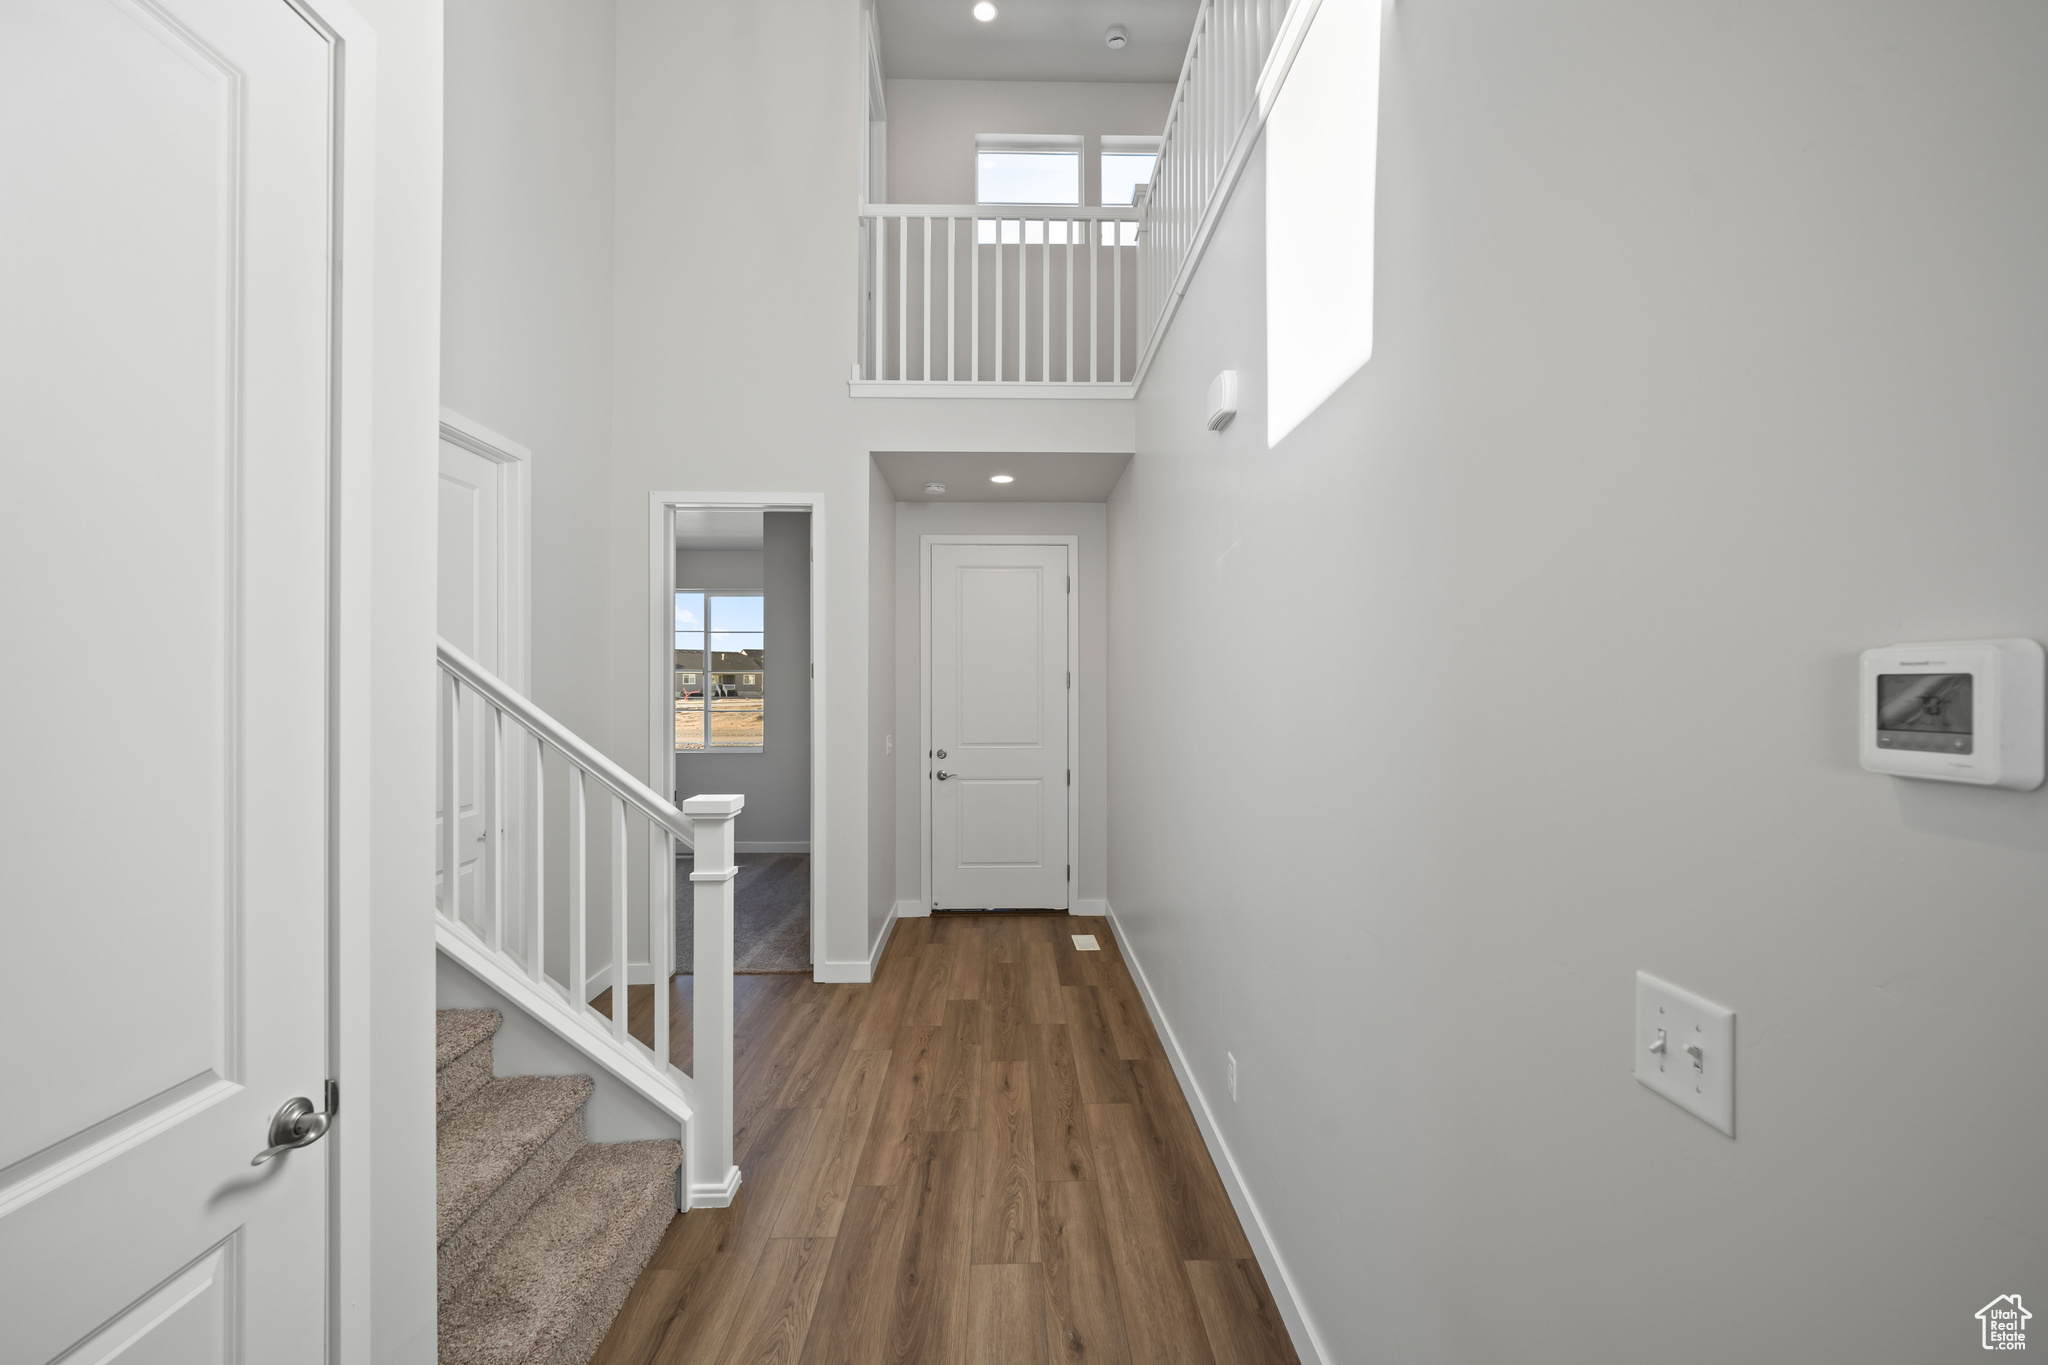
x,y
1000,689
469,616
165,373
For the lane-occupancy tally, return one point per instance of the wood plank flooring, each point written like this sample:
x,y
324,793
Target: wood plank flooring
x,y
980,1159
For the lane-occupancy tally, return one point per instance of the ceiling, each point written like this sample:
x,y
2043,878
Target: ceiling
x,y
1034,40
718,528
1067,477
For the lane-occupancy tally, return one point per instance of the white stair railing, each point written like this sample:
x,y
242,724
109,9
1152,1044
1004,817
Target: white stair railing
x,y
965,294
1210,126
524,882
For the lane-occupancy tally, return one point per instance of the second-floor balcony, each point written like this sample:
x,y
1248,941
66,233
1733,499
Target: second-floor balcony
x,y
984,299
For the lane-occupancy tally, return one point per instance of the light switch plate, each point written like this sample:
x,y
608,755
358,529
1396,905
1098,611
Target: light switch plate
x,y
1704,1083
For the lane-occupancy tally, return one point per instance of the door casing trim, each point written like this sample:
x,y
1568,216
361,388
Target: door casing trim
x,y
661,759
924,698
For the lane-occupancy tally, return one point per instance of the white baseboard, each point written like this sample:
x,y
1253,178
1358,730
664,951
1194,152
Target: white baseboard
x,y
1096,908
773,846
913,910
862,972
1307,1344
716,1196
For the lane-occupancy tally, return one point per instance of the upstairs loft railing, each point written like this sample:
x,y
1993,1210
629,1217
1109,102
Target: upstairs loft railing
x,y
986,298
977,295
1209,126
556,926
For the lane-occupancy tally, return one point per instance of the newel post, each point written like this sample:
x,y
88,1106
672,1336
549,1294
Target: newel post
x,y
714,1180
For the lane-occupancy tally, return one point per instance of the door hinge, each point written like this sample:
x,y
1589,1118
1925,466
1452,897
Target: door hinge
x,y
1070,681
1070,777
1070,582
1070,872
814,670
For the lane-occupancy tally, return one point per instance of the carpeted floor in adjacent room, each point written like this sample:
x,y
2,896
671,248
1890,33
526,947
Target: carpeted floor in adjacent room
x,y
771,914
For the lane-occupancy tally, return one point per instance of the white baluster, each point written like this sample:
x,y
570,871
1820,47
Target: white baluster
x,y
661,929
451,797
974,301
579,889
952,313
876,307
620,953
494,823
999,299
711,895
1095,302
1073,227
903,298
536,859
924,311
1116,307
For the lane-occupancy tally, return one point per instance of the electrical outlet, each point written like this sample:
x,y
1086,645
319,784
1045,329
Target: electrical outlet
x,y
1230,1074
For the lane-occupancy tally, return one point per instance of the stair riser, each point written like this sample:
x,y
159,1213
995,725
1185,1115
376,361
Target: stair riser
x,y
596,1319
469,1244
462,1078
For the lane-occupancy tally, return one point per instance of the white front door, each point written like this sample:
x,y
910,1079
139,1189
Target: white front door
x,y
1000,690
165,382
468,616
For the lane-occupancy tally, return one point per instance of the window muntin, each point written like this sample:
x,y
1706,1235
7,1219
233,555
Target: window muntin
x,y
720,670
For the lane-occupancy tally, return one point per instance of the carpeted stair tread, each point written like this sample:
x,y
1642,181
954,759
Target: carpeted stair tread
x,y
482,1142
549,1289
457,1031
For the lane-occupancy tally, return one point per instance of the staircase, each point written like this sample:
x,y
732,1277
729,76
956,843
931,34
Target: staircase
x,y
541,1232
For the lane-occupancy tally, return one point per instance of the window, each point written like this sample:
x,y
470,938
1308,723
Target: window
x,y
1014,168
1127,164
720,670
1321,147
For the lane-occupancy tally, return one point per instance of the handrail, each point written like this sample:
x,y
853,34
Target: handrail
x,y
1122,213
572,745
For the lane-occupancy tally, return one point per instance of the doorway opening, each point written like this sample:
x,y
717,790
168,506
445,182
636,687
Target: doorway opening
x,y
735,658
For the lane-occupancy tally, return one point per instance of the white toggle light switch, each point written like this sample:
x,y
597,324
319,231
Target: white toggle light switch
x,y
1685,1050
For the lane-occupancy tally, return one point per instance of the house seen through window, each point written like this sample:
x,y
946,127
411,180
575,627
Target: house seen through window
x,y
720,670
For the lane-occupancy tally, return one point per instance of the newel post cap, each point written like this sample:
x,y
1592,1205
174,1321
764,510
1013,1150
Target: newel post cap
x,y
713,807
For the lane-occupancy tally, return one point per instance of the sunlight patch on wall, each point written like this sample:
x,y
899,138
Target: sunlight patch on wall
x,y
1322,142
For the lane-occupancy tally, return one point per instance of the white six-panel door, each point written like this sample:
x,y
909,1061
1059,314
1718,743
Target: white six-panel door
x,y
165,380
1000,688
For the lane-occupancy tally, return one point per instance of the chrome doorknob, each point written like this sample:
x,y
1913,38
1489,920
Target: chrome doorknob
x,y
296,1124
943,774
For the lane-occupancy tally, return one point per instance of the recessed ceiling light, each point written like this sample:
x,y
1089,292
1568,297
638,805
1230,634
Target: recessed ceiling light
x,y
935,488
984,11
1000,478
1116,37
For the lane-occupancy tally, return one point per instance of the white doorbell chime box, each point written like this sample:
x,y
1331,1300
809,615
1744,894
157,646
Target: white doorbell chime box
x,y
1958,711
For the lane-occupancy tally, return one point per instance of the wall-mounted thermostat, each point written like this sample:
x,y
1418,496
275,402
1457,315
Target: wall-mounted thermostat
x,y
1960,711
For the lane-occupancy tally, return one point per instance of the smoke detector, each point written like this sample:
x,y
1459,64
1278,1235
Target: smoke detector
x,y
1116,37
935,488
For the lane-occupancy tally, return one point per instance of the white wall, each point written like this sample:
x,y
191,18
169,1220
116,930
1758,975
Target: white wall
x,y
1709,355
719,571
388,1260
1088,521
932,126
526,292
883,736
776,781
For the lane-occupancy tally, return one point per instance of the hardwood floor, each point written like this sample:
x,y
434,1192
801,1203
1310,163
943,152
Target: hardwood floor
x,y
981,1158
